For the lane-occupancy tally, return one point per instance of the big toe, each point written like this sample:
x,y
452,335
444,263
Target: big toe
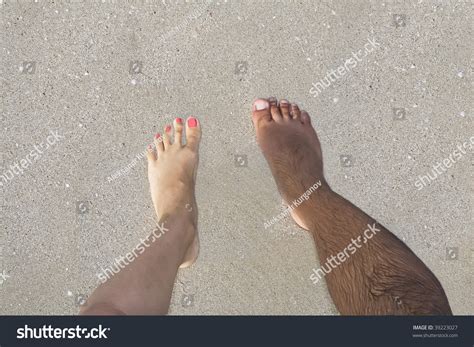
x,y
193,133
261,111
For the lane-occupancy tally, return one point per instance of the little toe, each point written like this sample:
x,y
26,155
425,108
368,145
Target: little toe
x,y
305,118
150,154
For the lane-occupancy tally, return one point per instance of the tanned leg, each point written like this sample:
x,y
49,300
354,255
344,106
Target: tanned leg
x,y
368,270
144,286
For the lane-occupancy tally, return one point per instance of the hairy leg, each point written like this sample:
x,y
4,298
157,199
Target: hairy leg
x,y
368,270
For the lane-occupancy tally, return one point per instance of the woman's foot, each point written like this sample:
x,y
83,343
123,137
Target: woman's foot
x,y
292,150
172,168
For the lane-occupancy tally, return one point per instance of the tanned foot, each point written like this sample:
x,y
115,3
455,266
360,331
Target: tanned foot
x,y
292,150
172,168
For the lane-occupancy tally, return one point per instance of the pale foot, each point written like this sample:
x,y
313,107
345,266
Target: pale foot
x,y
172,168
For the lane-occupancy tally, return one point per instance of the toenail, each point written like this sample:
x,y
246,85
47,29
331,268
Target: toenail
x,y
192,122
179,120
261,105
168,128
157,136
285,102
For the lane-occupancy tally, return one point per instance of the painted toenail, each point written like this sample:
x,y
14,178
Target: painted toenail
x,y
261,105
192,122
157,136
179,120
168,128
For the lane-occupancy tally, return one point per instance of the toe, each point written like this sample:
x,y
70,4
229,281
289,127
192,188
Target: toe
x,y
158,143
273,101
150,154
276,114
261,111
295,112
285,109
305,119
178,131
167,137
193,133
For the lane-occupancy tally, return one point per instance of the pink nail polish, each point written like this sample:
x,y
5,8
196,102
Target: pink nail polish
x,y
179,120
192,122
168,128
157,136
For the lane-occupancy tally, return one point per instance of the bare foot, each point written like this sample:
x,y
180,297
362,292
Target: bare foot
x,y
292,150
172,169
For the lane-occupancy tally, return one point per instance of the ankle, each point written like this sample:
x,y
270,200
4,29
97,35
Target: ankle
x,y
181,206
316,192
312,200
318,206
181,223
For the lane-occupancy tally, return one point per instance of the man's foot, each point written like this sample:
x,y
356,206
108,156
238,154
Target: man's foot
x,y
172,169
292,150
